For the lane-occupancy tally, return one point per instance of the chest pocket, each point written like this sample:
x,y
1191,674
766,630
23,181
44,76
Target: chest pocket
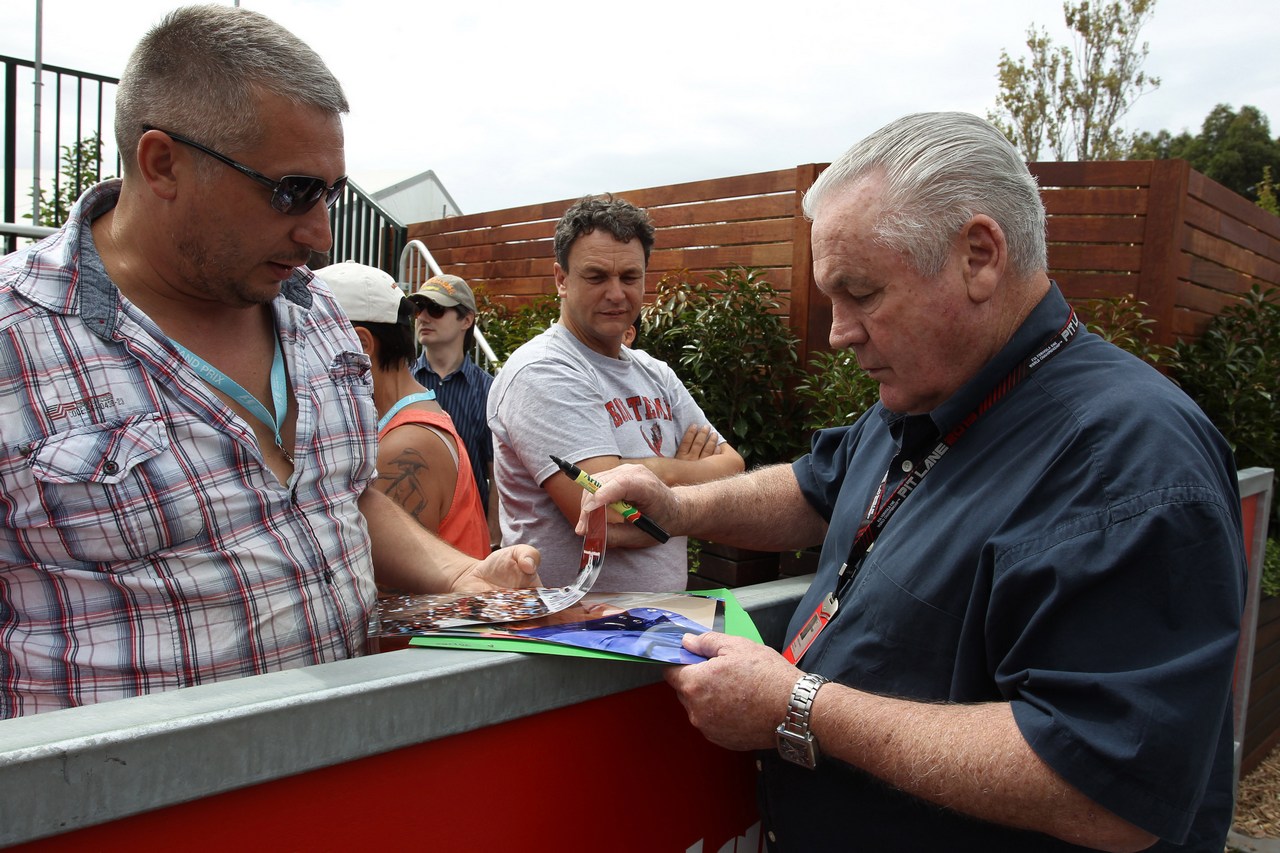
x,y
345,419
108,492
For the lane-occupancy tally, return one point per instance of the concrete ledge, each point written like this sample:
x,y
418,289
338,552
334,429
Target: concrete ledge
x,y
64,770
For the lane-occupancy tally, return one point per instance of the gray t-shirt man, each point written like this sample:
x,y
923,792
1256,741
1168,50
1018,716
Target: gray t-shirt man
x,y
556,396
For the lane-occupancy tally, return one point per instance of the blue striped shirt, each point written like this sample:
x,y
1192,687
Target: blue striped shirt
x,y
464,395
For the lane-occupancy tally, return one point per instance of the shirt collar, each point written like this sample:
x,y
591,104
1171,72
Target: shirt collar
x,y
1043,321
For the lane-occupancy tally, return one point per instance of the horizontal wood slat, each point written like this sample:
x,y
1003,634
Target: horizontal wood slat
x,y
1095,202
726,234
1211,247
1097,229
1093,285
1099,173
1095,256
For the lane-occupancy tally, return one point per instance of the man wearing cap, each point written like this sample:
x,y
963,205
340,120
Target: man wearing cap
x,y
422,462
446,322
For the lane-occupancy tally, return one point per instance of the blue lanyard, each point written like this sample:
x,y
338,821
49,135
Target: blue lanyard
x,y
420,397
228,386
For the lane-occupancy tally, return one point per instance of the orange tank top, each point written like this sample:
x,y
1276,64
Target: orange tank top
x,y
464,526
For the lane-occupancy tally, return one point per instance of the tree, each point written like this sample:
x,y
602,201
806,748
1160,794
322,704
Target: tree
x,y
1267,199
1034,109
81,166
1072,101
1235,149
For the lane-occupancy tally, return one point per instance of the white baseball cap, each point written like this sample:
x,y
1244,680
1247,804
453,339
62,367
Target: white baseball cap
x,y
366,293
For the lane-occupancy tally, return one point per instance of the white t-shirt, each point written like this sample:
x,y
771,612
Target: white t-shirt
x,y
555,396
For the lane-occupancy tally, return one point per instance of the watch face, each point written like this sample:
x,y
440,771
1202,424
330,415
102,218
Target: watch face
x,y
796,749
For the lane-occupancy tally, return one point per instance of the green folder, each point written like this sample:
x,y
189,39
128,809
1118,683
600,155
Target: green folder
x,y
736,622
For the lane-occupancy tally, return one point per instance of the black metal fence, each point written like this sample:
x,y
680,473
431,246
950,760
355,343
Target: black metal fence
x,y
364,232
77,106
74,106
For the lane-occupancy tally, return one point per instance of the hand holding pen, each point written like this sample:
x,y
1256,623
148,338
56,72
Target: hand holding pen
x,y
626,510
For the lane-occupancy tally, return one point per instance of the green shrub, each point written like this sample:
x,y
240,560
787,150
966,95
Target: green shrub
x,y
1271,568
1233,373
506,328
1120,320
836,390
81,164
735,353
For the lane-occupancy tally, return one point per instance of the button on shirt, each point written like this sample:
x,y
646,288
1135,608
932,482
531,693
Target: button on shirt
x,y
144,544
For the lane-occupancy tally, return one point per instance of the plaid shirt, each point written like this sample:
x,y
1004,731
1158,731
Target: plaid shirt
x,y
144,544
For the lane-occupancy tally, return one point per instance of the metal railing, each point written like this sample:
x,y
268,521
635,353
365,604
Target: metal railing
x,y
364,231
78,111
416,266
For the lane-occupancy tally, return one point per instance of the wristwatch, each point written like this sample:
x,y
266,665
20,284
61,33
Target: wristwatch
x,y
795,742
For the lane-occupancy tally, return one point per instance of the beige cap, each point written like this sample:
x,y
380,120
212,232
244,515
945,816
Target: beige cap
x,y
447,290
367,294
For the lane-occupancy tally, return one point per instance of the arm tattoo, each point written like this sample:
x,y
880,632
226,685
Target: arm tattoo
x,y
405,481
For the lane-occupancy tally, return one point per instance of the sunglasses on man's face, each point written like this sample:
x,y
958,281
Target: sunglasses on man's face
x,y
292,195
435,310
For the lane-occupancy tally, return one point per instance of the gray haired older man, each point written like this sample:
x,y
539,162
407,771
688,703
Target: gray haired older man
x,y
1022,630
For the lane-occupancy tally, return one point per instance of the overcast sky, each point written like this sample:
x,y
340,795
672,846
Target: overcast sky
x,y
514,103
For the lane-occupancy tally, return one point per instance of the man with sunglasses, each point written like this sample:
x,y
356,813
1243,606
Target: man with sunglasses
x,y
188,417
445,323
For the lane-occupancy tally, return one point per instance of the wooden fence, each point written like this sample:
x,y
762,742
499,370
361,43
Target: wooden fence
x,y
749,220
1174,239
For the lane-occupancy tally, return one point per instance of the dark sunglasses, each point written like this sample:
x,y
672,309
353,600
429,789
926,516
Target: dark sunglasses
x,y
427,306
293,195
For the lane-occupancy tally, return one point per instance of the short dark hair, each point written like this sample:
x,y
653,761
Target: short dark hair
x,y
619,217
395,340
468,337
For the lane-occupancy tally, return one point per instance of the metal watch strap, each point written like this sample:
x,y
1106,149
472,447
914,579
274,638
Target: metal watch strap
x,y
795,742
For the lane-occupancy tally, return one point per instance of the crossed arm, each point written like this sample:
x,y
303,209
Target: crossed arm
x,y
700,458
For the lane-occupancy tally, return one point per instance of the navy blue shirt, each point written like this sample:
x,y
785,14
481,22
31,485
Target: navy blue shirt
x,y
464,394
1078,554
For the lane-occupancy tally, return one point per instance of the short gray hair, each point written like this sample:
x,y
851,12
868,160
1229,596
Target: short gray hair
x,y
201,71
939,170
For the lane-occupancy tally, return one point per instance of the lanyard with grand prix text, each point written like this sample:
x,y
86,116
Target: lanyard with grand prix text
x,y
878,514
228,386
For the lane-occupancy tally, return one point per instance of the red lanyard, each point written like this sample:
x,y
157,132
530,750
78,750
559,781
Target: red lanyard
x,y
878,512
